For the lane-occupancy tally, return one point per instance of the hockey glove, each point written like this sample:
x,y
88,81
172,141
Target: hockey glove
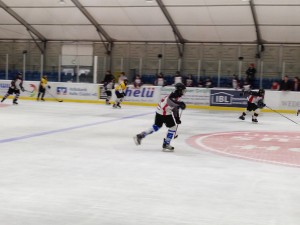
x,y
261,104
182,105
177,119
22,89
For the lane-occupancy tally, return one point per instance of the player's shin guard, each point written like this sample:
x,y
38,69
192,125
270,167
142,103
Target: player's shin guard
x,y
5,96
242,117
254,117
167,140
15,100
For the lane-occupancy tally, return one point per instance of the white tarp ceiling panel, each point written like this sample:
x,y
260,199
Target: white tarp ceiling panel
x,y
282,34
37,3
14,32
5,18
118,3
144,20
204,2
218,33
67,32
52,15
129,16
141,33
234,15
279,15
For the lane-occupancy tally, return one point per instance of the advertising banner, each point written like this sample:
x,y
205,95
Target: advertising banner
x,y
227,98
77,91
148,94
195,96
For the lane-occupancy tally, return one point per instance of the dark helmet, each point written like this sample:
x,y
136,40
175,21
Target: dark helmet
x,y
180,89
261,92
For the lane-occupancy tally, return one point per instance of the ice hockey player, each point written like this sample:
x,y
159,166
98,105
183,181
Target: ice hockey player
x,y
120,93
15,86
42,88
255,102
109,82
167,113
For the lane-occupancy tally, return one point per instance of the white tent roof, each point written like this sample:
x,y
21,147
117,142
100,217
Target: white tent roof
x,y
185,21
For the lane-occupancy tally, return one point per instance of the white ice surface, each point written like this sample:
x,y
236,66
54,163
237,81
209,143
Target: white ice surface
x,y
77,164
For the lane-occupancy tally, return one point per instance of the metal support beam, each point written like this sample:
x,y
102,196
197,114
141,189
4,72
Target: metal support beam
x,y
178,36
102,33
22,21
260,47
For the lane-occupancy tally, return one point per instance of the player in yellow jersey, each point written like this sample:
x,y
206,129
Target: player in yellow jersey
x,y
42,88
120,93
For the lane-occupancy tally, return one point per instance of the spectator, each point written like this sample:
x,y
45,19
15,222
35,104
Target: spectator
x,y
159,81
137,83
208,83
246,86
200,83
275,86
235,82
178,78
296,84
285,84
189,82
250,74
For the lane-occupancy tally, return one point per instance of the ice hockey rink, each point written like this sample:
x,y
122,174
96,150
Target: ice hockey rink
x,y
76,164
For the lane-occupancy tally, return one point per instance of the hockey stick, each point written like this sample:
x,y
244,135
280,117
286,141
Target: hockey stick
x,y
59,100
176,135
282,115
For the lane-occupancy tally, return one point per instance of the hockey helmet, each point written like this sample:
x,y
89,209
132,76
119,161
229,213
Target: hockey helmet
x,y
261,92
180,89
125,80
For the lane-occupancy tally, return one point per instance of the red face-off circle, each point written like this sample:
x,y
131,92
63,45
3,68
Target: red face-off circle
x,y
273,147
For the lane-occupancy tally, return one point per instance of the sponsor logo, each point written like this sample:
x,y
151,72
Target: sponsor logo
x,y
144,92
61,90
221,98
33,90
4,86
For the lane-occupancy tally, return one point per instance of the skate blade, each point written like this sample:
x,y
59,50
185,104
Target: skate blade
x,y
136,141
167,150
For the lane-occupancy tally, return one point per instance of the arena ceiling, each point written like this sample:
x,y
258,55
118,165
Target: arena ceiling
x,y
168,21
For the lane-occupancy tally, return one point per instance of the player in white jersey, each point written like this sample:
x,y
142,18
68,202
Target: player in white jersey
x,y
255,103
167,113
15,86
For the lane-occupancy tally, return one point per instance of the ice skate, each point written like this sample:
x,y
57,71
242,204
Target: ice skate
x,y
138,139
298,112
242,117
167,147
107,102
254,120
2,100
15,103
114,106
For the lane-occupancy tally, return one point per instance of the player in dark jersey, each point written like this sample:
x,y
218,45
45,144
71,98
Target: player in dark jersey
x,y
255,103
108,83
